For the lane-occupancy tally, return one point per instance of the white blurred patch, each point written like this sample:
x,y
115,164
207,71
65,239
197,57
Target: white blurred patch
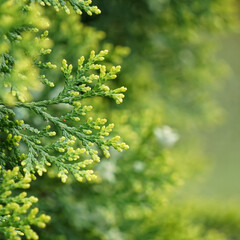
x,y
166,136
114,233
107,170
138,166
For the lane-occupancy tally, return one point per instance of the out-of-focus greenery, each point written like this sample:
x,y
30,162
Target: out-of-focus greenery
x,y
166,49
174,41
221,142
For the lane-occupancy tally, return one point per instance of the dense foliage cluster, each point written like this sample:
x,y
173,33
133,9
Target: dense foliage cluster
x,y
16,219
58,90
68,142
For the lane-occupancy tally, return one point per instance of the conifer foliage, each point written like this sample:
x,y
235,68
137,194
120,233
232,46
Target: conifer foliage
x,y
69,142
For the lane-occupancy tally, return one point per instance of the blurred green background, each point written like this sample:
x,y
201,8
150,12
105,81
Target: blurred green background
x,y
221,143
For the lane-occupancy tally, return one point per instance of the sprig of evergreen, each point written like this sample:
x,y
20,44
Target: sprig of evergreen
x,y
64,151
77,5
16,212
